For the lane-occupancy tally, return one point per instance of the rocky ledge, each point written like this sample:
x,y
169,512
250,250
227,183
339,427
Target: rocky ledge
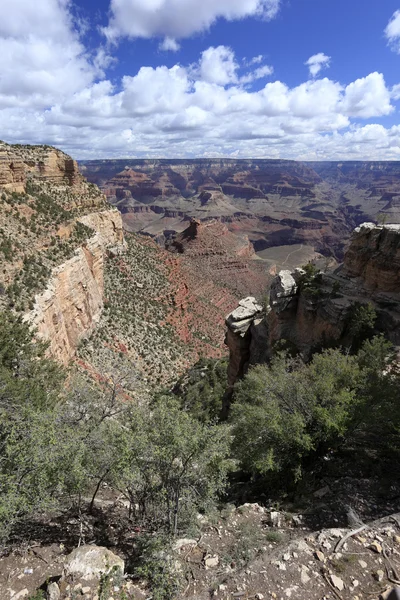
x,y
306,312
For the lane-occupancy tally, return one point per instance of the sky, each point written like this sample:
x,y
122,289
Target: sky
x,y
292,79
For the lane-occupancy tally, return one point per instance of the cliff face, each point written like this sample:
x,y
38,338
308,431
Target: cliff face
x,y
374,257
304,312
71,305
55,228
48,167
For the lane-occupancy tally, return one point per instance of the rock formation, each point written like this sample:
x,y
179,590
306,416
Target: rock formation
x,y
18,162
70,307
274,202
374,257
306,312
54,233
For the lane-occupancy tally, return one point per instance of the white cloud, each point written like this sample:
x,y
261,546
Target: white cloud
x,y
392,31
169,45
41,57
367,97
50,92
256,60
218,65
179,18
259,73
317,62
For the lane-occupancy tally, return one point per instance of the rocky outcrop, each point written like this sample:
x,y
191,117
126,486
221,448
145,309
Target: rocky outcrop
x,y
238,339
108,225
70,307
374,257
49,167
12,173
308,311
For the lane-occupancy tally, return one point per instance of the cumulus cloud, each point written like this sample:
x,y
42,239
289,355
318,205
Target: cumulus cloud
x,y
218,65
179,18
392,31
53,91
169,45
41,56
317,62
367,97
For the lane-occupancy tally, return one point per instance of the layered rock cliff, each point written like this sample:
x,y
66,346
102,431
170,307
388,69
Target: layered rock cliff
x,y
275,202
55,228
71,305
308,310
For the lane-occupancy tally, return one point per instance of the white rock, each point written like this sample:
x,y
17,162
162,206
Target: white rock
x,y
211,561
304,577
90,562
182,543
362,564
283,289
22,594
337,582
53,592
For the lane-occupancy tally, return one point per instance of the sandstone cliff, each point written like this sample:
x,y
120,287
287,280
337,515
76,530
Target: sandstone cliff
x,y
70,307
306,312
55,228
49,168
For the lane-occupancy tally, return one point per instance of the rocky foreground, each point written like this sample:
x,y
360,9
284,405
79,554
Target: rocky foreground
x,y
250,552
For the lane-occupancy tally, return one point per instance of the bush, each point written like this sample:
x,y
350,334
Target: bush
x,y
171,465
201,389
288,412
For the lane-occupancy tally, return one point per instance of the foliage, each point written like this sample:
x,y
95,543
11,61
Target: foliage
x,y
295,411
170,465
30,467
310,281
155,565
38,595
200,391
361,320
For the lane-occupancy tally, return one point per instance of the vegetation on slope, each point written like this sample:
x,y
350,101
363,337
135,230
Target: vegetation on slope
x,y
38,231
63,437
133,334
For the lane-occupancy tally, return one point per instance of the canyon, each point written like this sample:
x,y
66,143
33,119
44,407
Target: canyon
x,y
274,202
106,300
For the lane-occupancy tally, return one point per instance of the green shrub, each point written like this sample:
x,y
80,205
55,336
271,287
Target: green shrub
x,y
287,412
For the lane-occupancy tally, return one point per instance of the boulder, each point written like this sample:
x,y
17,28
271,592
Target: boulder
x,y
89,562
53,592
283,290
240,320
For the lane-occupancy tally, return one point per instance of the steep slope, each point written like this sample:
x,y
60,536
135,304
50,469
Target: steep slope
x,y
54,230
166,309
111,305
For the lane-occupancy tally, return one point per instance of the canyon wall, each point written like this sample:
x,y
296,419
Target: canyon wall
x,y
307,312
49,168
274,202
70,307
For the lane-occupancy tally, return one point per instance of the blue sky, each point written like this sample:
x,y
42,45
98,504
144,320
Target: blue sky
x,y
299,79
